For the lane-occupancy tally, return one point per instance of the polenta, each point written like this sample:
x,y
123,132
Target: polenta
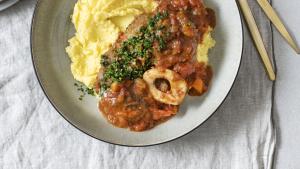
x,y
203,48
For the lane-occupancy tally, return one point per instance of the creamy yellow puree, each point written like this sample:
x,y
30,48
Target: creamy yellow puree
x,y
97,24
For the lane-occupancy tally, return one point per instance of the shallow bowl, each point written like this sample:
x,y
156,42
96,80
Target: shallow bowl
x,y
51,29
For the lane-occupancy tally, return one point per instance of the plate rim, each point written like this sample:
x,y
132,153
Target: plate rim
x,y
111,142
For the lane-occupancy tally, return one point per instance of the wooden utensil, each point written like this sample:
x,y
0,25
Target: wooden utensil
x,y
257,38
272,15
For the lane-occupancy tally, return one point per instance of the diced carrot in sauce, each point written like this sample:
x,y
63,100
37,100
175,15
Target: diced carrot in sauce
x,y
199,85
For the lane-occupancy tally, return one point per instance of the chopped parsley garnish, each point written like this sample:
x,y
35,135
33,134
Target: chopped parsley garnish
x,y
134,56
84,90
104,60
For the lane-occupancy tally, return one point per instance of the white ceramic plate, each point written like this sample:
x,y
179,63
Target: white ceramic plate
x,y
7,3
51,28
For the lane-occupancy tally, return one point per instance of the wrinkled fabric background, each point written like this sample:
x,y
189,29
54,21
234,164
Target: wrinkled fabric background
x,y
240,135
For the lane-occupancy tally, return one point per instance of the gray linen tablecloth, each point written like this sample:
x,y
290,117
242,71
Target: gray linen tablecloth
x,y
33,136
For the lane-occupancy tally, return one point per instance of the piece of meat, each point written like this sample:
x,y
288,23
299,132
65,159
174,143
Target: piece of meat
x,y
131,30
135,26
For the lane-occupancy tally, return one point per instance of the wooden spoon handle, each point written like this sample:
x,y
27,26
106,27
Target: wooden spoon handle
x,y
257,38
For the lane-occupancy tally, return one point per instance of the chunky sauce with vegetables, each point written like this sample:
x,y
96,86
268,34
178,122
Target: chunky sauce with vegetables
x,y
152,66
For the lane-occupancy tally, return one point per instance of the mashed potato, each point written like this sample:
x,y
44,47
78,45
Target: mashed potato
x,y
98,24
203,48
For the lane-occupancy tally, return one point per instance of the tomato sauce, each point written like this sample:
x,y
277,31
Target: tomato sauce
x,y
129,104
